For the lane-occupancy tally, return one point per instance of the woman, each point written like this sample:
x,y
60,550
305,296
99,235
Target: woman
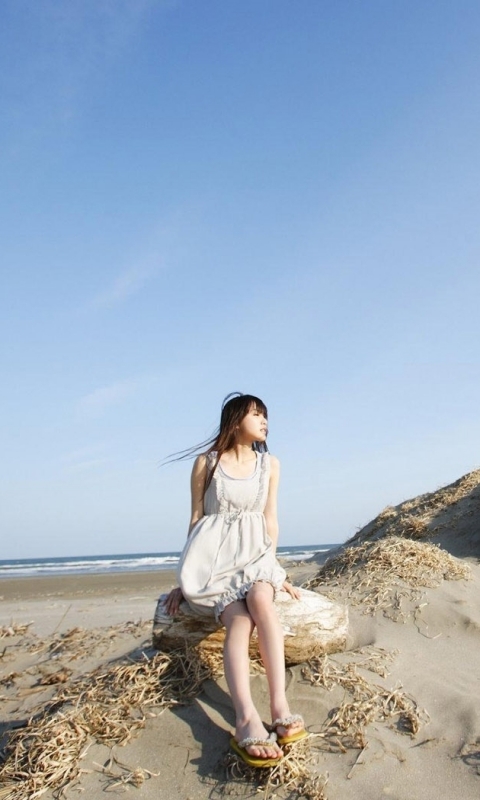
x,y
228,568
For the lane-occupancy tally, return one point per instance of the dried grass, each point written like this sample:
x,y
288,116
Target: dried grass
x,y
418,518
212,660
119,775
76,642
9,680
365,702
14,629
383,573
107,706
447,495
294,774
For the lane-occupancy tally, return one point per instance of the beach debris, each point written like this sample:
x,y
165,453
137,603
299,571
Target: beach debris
x,y
381,574
364,702
14,629
295,774
60,676
120,775
446,517
9,680
76,642
470,755
108,706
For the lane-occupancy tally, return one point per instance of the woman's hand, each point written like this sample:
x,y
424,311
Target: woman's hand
x,y
172,603
292,590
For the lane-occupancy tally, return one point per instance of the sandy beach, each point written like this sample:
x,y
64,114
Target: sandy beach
x,y
409,679
58,603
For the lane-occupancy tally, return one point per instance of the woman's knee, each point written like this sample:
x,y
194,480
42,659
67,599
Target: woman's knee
x,y
260,599
237,617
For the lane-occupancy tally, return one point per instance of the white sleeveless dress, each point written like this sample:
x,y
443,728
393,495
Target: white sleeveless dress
x,y
229,549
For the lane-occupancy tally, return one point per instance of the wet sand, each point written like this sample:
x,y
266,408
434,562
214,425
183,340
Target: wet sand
x,y
70,586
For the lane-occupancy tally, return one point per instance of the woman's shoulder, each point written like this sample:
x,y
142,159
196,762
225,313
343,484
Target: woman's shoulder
x,y
208,454
206,460
200,462
274,462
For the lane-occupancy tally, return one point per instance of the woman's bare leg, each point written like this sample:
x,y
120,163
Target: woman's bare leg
x,y
239,626
270,639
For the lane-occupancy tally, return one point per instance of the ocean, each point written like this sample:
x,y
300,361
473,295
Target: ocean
x,y
131,562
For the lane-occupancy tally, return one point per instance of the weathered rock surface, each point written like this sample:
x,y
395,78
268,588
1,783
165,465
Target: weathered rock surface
x,y
312,625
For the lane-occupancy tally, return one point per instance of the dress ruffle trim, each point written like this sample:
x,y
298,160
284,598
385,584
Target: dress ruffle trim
x,y
264,477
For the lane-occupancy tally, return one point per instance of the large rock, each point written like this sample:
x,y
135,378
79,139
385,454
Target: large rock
x,y
312,626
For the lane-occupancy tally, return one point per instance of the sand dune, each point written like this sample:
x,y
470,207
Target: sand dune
x,y
448,517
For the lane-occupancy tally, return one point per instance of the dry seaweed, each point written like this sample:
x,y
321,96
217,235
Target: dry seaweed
x,y
14,629
106,706
383,573
364,702
212,660
119,775
109,706
75,642
419,518
9,680
294,774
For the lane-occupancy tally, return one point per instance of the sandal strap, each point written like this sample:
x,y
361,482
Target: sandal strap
x,y
287,722
251,742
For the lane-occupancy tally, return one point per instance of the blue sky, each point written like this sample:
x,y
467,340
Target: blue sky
x,y
201,197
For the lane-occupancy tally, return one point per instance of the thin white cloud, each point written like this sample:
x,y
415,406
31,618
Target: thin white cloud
x,y
97,402
84,459
82,453
70,45
124,286
92,464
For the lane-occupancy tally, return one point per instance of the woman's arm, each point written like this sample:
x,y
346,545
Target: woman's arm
x,y
270,512
271,516
197,484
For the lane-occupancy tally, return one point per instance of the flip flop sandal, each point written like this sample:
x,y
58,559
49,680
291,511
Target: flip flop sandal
x,y
287,722
254,761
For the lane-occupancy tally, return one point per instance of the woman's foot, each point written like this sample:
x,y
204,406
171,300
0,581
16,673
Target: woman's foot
x,y
254,729
288,727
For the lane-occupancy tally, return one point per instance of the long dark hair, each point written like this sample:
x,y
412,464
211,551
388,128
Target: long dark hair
x,y
234,408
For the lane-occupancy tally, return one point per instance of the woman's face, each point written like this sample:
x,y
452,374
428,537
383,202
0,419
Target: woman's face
x,y
254,426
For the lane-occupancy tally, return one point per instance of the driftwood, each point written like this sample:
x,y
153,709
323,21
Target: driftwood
x,y
312,626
